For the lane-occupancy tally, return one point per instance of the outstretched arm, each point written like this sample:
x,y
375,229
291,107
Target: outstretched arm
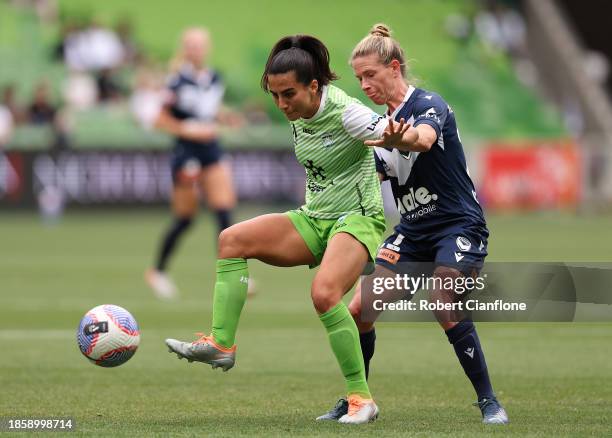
x,y
405,137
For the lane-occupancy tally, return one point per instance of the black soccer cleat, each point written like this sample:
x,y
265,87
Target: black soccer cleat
x,y
336,412
492,411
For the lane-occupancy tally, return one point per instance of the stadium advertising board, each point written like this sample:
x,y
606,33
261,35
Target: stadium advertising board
x,y
105,177
534,176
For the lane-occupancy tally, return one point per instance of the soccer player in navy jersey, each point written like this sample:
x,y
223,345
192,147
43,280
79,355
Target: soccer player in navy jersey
x,y
192,114
442,228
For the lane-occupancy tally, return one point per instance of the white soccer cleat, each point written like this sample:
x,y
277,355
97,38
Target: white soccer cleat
x,y
360,411
163,287
206,350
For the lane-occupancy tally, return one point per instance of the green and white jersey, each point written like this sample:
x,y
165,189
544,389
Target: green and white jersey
x,y
340,171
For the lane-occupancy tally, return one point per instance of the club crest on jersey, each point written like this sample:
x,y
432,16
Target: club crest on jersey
x,y
327,139
431,114
463,243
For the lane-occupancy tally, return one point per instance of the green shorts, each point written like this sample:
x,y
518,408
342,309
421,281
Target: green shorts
x,y
317,232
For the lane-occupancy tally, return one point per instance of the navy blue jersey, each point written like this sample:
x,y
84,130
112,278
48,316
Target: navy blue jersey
x,y
195,95
432,190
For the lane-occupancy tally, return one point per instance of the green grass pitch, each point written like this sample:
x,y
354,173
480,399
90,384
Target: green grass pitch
x,y
554,379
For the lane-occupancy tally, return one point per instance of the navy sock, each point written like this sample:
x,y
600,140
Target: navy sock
x,y
223,219
367,341
465,340
174,232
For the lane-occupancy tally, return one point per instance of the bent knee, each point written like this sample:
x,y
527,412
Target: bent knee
x,y
355,309
231,244
325,295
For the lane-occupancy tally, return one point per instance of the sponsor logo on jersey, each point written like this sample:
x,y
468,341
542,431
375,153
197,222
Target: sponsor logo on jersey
x,y
388,255
415,199
459,256
375,119
463,243
327,138
308,131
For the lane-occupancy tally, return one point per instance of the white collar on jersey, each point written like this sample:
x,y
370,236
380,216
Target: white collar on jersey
x,y
321,105
406,97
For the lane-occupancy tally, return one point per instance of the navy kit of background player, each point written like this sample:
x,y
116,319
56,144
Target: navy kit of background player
x,y
192,114
442,232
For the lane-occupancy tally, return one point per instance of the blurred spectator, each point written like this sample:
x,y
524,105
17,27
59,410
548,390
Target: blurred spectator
x,y
148,97
502,28
96,50
6,125
80,91
459,27
9,101
93,48
109,88
43,112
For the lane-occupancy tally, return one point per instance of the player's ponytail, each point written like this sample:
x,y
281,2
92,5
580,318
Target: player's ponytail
x,y
379,42
306,55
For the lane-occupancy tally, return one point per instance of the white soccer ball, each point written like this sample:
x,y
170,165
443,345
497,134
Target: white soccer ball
x,y
108,335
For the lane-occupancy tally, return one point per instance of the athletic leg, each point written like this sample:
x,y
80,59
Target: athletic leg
x,y
184,208
218,189
270,238
462,335
341,266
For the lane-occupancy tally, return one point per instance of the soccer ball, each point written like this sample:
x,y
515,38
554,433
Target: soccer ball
x,y
108,335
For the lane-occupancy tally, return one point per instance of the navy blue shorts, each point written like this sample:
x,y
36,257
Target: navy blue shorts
x,y
188,159
463,247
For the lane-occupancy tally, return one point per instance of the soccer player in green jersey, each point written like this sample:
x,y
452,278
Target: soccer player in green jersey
x,y
339,227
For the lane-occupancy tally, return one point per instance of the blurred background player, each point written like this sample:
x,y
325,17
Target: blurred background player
x,y
442,226
192,114
339,226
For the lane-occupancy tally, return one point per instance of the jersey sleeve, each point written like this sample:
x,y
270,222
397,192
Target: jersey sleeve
x,y
381,166
361,123
431,110
218,83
